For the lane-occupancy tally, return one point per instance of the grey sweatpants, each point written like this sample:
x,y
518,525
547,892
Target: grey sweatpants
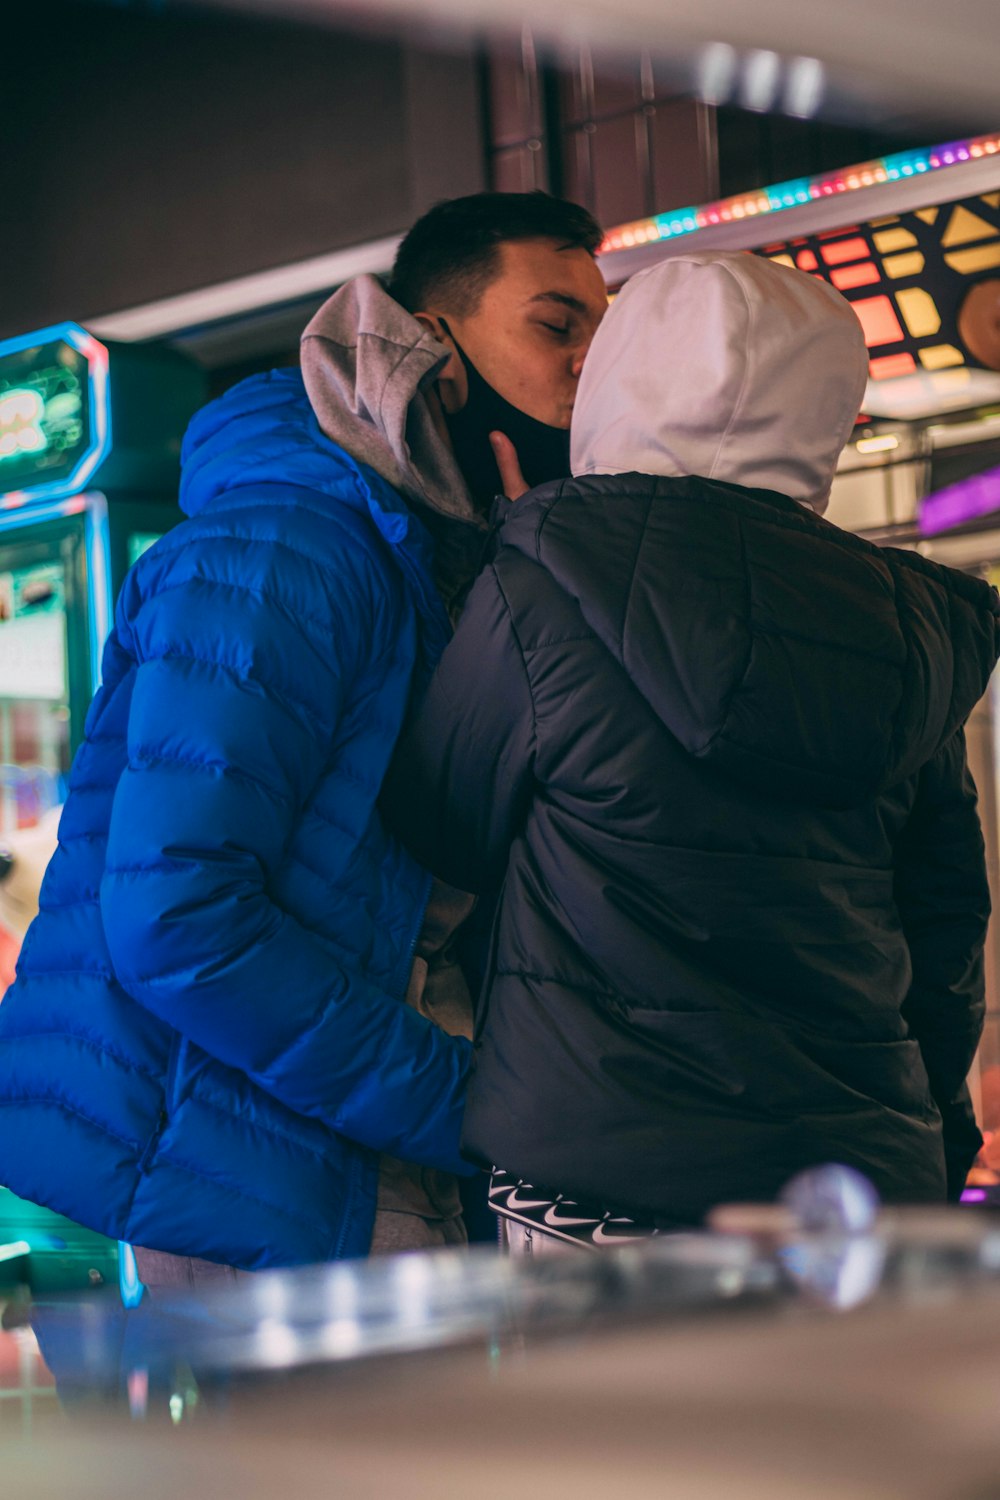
x,y
159,1271
393,1234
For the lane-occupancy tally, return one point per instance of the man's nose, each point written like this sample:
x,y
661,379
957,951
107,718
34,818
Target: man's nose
x,y
579,355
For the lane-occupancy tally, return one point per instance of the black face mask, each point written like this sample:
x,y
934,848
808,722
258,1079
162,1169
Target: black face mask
x,y
543,451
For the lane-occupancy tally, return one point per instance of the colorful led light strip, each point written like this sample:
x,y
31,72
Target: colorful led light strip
x,y
958,503
97,359
770,200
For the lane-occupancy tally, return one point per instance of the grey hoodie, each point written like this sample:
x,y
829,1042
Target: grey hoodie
x,y
367,365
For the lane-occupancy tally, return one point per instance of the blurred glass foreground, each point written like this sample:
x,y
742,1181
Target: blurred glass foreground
x,y
847,1363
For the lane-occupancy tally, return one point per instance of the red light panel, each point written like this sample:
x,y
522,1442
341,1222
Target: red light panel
x,y
892,364
879,321
843,250
846,277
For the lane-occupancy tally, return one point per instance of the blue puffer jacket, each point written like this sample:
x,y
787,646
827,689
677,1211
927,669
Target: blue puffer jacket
x,y
206,1047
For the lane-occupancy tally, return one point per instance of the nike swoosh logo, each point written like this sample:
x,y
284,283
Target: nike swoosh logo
x,y
515,1202
557,1221
600,1238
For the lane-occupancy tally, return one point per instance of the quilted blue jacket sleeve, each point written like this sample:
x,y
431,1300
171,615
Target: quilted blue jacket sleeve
x,y
239,691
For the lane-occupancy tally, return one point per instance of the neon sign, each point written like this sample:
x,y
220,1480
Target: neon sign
x,y
55,419
959,503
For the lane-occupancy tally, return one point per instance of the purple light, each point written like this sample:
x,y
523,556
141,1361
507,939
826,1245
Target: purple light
x,y
973,1195
958,503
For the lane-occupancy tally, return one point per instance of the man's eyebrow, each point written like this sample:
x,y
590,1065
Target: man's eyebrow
x,y
562,298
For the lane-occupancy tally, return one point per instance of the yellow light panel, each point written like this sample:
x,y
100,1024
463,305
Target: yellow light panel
x,y
964,226
919,311
782,260
940,356
880,223
993,199
928,215
968,262
894,239
910,264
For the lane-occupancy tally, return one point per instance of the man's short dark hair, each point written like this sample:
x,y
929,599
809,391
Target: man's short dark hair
x,y
450,256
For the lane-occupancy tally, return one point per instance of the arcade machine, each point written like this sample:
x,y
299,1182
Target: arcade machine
x,y
913,242
90,439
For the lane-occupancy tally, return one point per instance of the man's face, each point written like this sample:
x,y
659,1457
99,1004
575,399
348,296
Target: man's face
x,y
531,330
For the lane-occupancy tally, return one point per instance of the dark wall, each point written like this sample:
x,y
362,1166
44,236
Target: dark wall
x,y
618,138
756,150
146,154
613,137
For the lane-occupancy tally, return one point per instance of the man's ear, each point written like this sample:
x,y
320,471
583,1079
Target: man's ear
x,y
452,384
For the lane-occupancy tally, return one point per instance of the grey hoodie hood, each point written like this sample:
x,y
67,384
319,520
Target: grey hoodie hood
x,y
724,366
367,365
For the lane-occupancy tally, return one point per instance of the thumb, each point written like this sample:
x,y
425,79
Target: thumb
x,y
514,483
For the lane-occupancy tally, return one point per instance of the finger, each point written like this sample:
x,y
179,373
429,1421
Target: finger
x,y
514,483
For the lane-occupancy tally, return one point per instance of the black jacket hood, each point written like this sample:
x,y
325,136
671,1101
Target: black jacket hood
x,y
772,645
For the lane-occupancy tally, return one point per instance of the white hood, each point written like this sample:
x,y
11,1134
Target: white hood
x,y
724,366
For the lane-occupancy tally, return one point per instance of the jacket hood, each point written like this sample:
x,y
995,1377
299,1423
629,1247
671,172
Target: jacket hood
x,y
366,364
774,647
264,431
726,366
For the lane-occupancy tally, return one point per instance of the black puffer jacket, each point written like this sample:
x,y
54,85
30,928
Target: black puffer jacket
x,y
713,746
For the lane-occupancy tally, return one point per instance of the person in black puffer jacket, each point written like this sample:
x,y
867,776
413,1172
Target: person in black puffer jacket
x,y
712,746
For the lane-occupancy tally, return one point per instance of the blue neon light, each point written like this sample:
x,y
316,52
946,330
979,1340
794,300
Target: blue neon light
x,y
30,515
100,598
99,445
129,1285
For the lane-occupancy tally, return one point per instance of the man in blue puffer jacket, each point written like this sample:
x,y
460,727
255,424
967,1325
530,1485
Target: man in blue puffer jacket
x,y
207,1050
